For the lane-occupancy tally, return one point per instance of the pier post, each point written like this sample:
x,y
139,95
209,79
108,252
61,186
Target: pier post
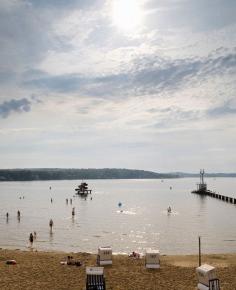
x,y
199,251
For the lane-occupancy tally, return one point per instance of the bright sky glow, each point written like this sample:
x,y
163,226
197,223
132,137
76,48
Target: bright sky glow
x,y
146,84
126,14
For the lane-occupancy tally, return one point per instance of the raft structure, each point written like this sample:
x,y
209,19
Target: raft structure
x,y
203,191
83,190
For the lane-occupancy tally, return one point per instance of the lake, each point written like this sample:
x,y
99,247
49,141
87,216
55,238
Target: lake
x,y
141,222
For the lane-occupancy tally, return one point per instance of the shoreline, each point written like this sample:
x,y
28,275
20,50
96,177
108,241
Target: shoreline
x,y
42,270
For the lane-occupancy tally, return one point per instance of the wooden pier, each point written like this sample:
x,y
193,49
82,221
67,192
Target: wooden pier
x,y
202,190
217,195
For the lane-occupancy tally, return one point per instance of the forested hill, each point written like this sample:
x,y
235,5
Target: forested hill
x,y
70,174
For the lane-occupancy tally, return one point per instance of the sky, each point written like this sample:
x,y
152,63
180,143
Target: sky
x,y
139,84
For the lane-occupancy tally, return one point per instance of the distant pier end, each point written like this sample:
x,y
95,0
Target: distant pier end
x,y
202,190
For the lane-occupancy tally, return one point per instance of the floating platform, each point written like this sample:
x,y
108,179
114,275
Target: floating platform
x,y
83,190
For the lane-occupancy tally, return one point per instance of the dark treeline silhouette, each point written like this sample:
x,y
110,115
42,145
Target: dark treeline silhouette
x,y
71,174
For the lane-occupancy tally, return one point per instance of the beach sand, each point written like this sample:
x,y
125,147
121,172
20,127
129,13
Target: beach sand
x,y
42,270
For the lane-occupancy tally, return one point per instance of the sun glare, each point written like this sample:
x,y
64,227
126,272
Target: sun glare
x,y
126,14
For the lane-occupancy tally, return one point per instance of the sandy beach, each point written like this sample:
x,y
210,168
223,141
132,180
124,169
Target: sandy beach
x,y
42,270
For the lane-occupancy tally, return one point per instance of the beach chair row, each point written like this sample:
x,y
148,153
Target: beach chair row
x,y
152,257
206,274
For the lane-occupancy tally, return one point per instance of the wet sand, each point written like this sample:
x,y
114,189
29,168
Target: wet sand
x,y
42,270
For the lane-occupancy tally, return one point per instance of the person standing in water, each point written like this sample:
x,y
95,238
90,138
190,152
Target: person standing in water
x,y
73,212
18,214
51,224
31,239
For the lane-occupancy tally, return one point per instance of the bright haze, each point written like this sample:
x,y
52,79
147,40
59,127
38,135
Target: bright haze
x,y
145,84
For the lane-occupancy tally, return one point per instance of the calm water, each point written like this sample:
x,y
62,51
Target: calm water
x,y
144,222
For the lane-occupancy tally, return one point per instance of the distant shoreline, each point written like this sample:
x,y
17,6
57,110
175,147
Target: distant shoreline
x,y
49,174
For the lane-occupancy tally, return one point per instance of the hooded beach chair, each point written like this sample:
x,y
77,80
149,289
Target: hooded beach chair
x,y
104,256
95,278
152,259
207,278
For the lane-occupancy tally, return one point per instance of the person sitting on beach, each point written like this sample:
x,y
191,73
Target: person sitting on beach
x,y
71,261
134,255
31,239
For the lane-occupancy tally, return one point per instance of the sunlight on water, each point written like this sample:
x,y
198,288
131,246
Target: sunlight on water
x,y
140,221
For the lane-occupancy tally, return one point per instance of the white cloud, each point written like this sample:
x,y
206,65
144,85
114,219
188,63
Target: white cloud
x,y
159,98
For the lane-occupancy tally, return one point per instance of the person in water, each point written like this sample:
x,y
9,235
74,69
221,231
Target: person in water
x,y
51,224
169,209
31,239
18,214
73,211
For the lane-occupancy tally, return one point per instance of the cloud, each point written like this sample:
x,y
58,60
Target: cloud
x,y
200,15
224,110
19,106
150,75
62,4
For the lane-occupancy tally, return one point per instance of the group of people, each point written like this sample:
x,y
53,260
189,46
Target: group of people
x,y
18,215
67,200
32,237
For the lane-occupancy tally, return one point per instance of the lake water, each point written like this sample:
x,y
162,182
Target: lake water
x,y
143,222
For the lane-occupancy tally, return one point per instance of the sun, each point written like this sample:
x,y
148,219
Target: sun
x,y
126,14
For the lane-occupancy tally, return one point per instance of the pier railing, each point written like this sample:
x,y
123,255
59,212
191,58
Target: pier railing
x,y
217,195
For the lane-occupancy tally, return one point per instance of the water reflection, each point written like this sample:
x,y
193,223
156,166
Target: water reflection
x,y
51,234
